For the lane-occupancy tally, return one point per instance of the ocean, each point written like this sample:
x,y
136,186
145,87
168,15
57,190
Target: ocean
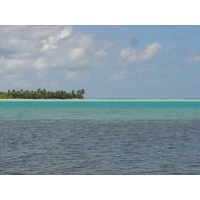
x,y
100,137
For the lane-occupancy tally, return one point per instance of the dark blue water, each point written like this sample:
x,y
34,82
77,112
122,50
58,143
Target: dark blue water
x,y
99,137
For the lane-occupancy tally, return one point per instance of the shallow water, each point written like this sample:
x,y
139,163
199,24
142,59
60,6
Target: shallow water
x,y
100,137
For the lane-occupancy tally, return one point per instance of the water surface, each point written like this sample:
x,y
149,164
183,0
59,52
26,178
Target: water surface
x,y
100,137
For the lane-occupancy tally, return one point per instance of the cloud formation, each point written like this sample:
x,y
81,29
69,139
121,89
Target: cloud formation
x,y
51,42
118,76
49,47
81,74
43,55
195,59
130,55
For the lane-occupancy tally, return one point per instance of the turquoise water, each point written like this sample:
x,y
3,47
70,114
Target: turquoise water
x,y
100,137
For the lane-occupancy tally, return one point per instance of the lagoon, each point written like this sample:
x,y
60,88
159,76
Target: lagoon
x,y
97,136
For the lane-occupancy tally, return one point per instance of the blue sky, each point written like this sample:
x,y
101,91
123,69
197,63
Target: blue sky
x,y
133,61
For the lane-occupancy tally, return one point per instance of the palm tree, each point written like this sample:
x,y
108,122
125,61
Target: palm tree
x,y
42,94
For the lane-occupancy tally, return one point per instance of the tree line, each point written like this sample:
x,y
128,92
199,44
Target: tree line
x,y
42,94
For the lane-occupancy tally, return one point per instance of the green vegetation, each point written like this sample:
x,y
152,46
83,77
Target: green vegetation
x,y
42,94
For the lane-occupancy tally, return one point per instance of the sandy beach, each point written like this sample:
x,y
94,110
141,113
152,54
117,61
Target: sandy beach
x,y
44,99
135,100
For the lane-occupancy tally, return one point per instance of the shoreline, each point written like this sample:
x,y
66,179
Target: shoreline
x,y
132,100
43,99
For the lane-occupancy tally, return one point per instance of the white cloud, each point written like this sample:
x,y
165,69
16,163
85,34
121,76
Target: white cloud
x,y
40,48
131,55
54,84
80,74
40,74
71,75
76,54
42,54
125,52
40,63
51,42
21,84
195,59
101,53
51,84
13,76
118,76
2,71
30,32
13,65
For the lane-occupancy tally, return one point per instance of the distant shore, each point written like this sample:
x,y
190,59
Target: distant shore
x,y
43,99
118,99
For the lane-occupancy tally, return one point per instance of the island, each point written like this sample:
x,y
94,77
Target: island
x,y
42,94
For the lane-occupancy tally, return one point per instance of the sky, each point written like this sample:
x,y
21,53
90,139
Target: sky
x,y
119,61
